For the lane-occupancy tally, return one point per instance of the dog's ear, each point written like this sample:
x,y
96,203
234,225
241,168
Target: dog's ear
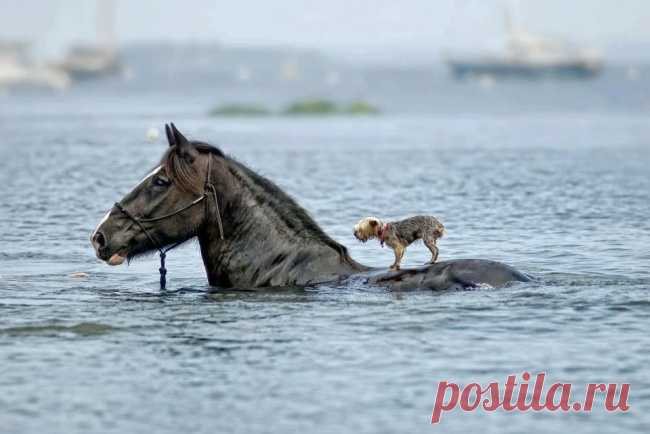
x,y
373,223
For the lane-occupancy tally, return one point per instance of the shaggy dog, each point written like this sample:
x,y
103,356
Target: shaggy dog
x,y
400,234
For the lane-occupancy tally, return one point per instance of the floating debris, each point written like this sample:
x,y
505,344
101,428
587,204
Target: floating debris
x,y
486,81
632,73
152,134
244,74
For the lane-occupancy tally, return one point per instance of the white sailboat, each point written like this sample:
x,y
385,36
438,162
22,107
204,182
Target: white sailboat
x,y
529,56
91,61
16,70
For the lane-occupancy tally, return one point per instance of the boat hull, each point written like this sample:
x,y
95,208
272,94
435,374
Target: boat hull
x,y
496,69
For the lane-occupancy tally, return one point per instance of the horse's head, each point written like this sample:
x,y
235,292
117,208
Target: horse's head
x,y
166,207
251,233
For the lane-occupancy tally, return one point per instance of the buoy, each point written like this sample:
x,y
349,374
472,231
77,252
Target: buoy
x,y
152,134
632,73
486,81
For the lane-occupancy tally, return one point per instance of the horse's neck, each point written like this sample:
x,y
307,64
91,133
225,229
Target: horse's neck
x,y
262,260
260,249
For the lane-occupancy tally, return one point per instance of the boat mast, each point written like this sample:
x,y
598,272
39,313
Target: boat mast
x,y
511,18
106,25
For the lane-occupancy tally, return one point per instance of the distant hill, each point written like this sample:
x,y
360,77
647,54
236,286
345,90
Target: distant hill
x,y
154,64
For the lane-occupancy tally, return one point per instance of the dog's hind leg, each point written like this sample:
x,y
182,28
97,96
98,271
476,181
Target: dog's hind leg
x,y
431,245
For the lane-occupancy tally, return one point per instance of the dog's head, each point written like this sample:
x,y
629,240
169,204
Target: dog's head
x,y
367,228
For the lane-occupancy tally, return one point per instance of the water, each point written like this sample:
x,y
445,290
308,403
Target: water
x,y
558,190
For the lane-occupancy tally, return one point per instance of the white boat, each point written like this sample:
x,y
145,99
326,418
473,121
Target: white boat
x,y
529,56
85,62
97,60
16,71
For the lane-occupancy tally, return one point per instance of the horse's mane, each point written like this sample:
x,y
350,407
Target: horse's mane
x,y
185,174
265,191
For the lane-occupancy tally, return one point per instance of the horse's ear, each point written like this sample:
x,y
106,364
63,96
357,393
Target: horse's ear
x,y
184,147
170,135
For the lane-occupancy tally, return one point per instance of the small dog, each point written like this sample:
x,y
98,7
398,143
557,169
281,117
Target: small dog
x,y
399,235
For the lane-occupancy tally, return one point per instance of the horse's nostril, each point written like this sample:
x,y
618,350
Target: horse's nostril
x,y
99,239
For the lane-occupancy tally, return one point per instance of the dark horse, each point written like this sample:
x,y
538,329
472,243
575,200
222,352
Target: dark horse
x,y
251,233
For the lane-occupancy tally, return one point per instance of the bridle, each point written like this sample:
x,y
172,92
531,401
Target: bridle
x,y
208,190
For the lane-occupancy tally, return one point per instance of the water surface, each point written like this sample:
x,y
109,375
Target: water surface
x,y
562,194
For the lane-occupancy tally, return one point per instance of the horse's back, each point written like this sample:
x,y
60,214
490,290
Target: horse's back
x,y
458,273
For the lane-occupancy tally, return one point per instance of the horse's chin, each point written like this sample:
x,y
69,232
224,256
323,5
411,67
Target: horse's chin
x,y
119,257
116,259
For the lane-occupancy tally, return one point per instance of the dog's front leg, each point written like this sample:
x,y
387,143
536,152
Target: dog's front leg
x,y
431,245
399,254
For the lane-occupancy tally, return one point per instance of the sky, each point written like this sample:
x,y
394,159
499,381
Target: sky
x,y
383,28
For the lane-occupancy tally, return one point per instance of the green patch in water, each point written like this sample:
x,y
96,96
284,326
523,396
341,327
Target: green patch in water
x,y
243,110
81,329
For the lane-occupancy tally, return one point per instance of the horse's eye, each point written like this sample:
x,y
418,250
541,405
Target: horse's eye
x,y
160,181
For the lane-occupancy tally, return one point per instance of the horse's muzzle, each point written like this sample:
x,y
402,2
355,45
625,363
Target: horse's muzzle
x,y
98,240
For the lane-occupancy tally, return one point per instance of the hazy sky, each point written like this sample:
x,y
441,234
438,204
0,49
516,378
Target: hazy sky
x,y
373,27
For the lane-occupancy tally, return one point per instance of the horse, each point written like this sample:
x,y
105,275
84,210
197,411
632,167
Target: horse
x,y
251,233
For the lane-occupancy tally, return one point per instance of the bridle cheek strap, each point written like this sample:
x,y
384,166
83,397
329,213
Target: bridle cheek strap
x,y
209,187
216,204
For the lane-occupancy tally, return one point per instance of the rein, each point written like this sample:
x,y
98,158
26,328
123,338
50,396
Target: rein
x,y
209,190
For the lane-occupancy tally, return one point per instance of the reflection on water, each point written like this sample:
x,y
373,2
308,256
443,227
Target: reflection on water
x,y
561,195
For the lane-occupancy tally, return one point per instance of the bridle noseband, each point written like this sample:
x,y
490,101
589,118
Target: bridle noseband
x,y
208,190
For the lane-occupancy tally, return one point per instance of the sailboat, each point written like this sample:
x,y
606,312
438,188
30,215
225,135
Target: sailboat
x,y
92,61
529,56
16,71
